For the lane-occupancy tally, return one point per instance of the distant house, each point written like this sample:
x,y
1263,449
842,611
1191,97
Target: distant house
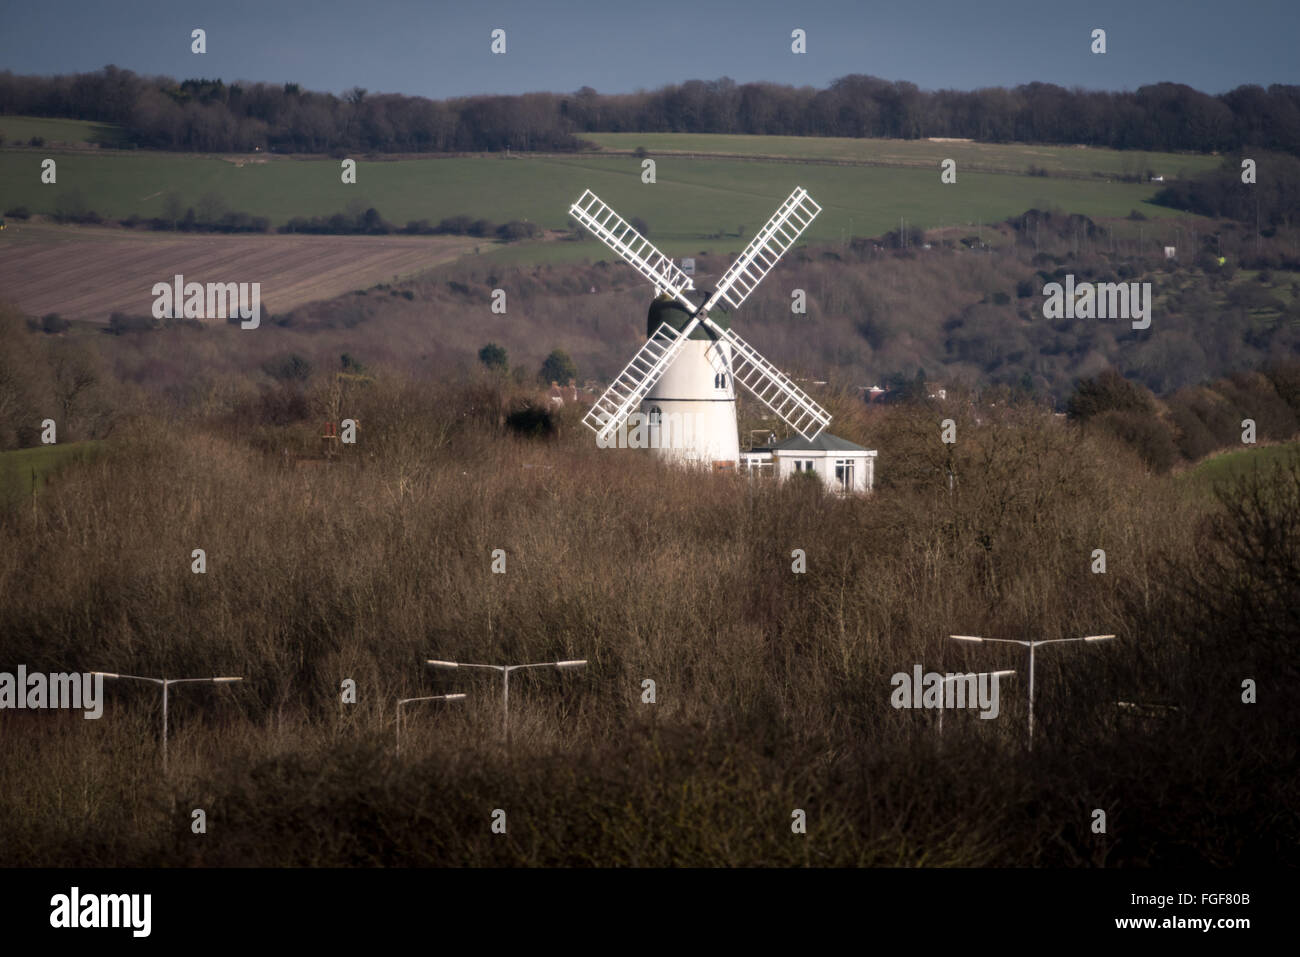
x,y
842,466
560,394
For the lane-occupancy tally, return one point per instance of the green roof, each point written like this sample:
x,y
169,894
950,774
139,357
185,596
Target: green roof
x,y
664,309
823,443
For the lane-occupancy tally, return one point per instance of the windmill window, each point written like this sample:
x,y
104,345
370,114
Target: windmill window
x,y
720,380
655,412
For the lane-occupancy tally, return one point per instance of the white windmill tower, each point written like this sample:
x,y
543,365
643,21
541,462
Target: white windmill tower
x,y
684,376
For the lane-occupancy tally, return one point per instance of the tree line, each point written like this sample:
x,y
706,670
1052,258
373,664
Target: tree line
x,y
157,112
1194,421
1272,200
211,216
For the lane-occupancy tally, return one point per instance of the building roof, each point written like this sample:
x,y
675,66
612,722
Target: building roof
x,y
664,308
823,443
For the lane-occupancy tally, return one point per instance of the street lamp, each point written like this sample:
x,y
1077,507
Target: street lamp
x,y
505,680
1031,645
978,674
434,697
165,683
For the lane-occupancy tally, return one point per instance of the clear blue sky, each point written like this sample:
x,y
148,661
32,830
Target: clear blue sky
x,y
438,49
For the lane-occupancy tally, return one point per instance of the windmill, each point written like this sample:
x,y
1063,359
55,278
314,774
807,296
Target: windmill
x,y
687,369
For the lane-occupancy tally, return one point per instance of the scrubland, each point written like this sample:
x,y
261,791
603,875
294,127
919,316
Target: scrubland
x,y
772,688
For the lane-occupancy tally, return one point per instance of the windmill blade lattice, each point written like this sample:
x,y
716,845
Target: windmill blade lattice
x,y
616,233
773,387
765,249
636,380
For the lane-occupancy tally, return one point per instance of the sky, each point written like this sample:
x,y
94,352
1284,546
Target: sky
x,y
440,49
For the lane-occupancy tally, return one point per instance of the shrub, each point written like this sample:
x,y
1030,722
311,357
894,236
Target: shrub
x,y
494,357
456,225
290,367
516,230
120,323
1107,392
532,421
557,367
1144,433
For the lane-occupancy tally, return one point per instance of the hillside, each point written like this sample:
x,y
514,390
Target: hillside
x,y
693,201
969,317
1016,158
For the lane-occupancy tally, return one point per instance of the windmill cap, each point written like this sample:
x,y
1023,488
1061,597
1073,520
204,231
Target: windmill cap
x,y
674,313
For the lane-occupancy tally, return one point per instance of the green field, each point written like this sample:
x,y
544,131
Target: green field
x,y
18,130
694,200
1010,157
25,471
1232,465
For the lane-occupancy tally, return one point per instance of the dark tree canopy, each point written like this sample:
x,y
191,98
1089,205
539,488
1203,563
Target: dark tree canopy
x,y
1107,392
211,115
558,367
493,356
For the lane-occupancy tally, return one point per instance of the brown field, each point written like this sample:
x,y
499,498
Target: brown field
x,y
89,272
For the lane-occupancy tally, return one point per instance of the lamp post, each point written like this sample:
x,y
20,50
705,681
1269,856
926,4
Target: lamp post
x,y
979,674
1031,645
434,697
505,679
165,683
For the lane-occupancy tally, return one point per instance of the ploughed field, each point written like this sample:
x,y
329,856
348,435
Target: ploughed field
x,y
90,272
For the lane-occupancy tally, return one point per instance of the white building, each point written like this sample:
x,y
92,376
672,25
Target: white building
x,y
696,390
843,466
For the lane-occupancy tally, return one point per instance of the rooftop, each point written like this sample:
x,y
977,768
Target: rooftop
x,y
823,443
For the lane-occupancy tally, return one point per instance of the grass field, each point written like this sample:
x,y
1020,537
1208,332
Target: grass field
x,y
26,470
1228,466
90,272
692,199
1010,157
19,130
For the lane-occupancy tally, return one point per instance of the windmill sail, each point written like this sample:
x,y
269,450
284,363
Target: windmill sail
x,y
616,233
765,249
636,380
773,387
